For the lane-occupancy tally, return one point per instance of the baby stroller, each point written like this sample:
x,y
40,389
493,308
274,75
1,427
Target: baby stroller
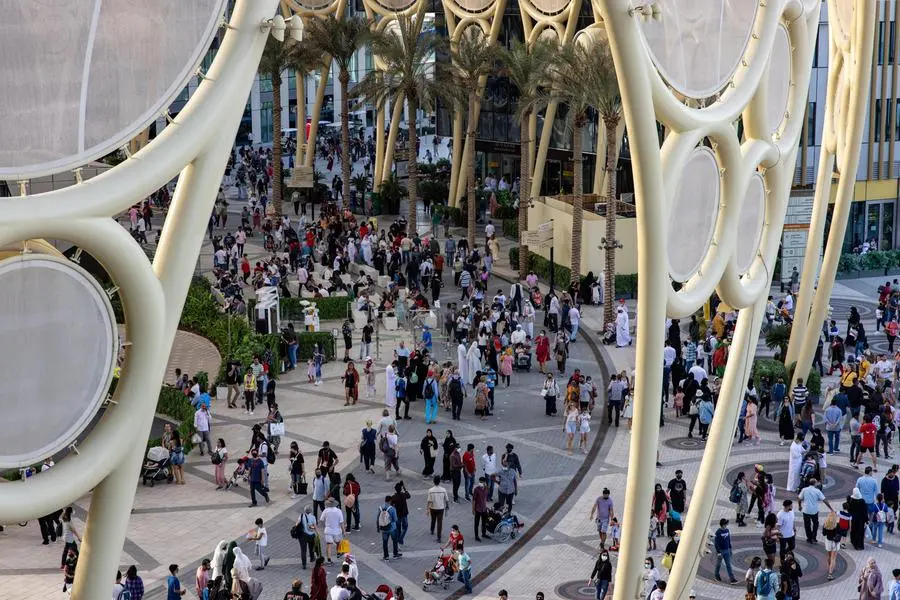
x,y
522,360
442,573
157,466
239,474
609,334
503,526
382,592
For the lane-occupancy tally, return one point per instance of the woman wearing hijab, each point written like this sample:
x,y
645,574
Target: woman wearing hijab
x,y
859,512
428,448
218,560
242,564
871,584
473,357
318,586
228,564
463,362
239,588
448,445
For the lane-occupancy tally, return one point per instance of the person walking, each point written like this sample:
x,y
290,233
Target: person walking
x,y
456,389
604,511
437,503
785,518
480,508
306,535
456,469
430,393
133,583
386,518
550,392
351,501
767,583
257,469
400,502
722,543
468,472
333,520
601,576
464,564
810,497
428,449
261,537
202,425
219,458
790,577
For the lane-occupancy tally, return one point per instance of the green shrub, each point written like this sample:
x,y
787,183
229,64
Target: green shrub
x,y
768,367
511,229
457,217
175,405
848,263
506,212
778,338
330,309
627,284
874,260
307,339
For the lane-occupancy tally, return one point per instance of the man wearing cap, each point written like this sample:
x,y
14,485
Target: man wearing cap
x,y
603,508
722,543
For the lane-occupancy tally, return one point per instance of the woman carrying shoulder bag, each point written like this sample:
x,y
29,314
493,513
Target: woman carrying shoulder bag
x,y
550,391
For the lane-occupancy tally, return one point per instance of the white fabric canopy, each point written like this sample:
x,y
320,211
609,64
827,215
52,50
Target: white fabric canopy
x,y
698,44
750,223
80,78
693,213
779,79
58,345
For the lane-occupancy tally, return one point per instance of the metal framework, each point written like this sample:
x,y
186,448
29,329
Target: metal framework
x,y
743,181
197,144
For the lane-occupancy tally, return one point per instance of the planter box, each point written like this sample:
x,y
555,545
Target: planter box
x,y
892,272
847,275
872,273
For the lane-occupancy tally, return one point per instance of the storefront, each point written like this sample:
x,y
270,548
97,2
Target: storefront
x,y
872,221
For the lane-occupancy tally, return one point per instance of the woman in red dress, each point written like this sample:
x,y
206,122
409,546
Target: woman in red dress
x,y
542,349
318,582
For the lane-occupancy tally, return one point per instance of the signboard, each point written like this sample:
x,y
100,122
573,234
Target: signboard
x,y
301,177
795,234
542,236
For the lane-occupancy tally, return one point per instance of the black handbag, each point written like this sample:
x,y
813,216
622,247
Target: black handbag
x,y
302,486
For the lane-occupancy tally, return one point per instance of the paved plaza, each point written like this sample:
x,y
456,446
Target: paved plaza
x,y
183,524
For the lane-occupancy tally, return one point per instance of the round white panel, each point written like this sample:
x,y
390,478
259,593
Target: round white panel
x,y
750,223
58,344
80,78
779,79
692,216
697,44
550,7
475,6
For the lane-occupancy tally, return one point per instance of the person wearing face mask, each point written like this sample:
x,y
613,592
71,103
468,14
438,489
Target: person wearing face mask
x,y
649,577
670,551
550,392
601,576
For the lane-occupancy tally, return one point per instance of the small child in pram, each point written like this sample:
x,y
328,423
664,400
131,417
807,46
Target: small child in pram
x,y
442,573
239,474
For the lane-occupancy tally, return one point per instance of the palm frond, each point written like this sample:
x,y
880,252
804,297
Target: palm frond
x,y
339,38
526,67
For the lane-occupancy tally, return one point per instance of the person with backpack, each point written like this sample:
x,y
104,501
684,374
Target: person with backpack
x,y
389,444
400,392
430,394
457,392
767,582
118,592
386,518
740,497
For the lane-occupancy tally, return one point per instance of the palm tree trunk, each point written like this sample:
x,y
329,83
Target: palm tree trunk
x,y
578,199
412,106
470,174
276,145
524,193
346,160
609,292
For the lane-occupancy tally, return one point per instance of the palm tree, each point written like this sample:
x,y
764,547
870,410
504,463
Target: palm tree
x,y
273,63
609,106
277,58
577,81
410,72
473,58
526,68
341,39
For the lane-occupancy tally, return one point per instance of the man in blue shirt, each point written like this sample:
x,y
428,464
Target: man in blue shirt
x,y
834,421
722,542
868,487
174,591
386,519
490,377
257,469
778,392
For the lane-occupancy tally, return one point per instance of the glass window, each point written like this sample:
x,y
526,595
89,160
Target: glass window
x,y
881,43
265,83
877,122
888,115
265,122
892,41
811,124
886,242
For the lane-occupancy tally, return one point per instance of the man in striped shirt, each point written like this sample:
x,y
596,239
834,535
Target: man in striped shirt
x,y
799,395
690,354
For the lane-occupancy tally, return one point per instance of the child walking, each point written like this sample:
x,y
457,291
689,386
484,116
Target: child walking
x,y
584,428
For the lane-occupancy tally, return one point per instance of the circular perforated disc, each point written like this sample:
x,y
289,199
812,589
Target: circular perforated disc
x,y
58,344
697,44
779,79
750,223
80,78
692,216
475,6
550,7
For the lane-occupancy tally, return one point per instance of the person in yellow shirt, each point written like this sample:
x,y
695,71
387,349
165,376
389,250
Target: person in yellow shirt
x,y
864,367
848,379
249,391
718,325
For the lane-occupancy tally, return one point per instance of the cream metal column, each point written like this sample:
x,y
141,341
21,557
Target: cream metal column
x,y
634,83
853,37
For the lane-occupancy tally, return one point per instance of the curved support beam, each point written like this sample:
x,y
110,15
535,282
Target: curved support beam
x,y
860,71
396,116
639,120
718,448
310,159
